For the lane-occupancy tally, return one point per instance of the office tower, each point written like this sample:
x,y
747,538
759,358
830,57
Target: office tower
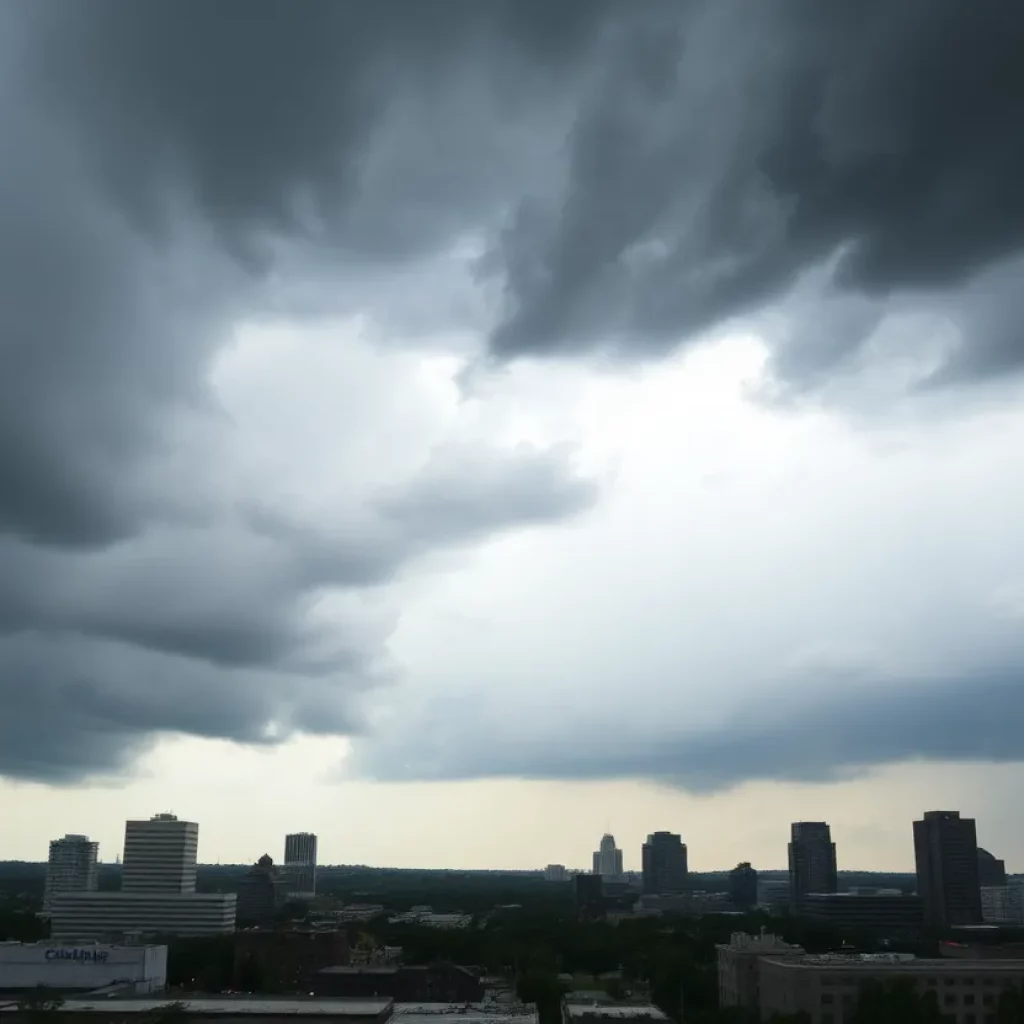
x,y
300,862
71,867
664,864
812,860
743,886
261,892
160,855
556,873
946,852
991,870
608,858
157,896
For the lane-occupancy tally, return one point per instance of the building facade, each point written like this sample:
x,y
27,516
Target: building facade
x,y
300,862
105,916
738,966
288,959
29,966
157,895
160,855
71,867
886,912
665,868
608,858
812,861
1003,904
261,893
556,873
946,856
773,895
825,988
991,870
743,886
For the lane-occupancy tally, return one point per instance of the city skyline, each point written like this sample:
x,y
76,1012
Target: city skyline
x,y
467,427
305,846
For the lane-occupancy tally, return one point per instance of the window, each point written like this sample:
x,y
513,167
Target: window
x,y
949,999
949,981
827,998
988,999
969,999
989,981
827,1018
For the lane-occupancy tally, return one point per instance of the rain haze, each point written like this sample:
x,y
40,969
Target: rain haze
x,y
460,429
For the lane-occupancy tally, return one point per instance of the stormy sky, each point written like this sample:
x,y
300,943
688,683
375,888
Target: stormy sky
x,y
597,405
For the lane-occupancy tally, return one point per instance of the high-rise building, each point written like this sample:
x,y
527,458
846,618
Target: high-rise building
x,y
812,860
556,873
261,893
946,852
300,862
157,896
991,870
743,886
665,870
71,867
160,855
608,858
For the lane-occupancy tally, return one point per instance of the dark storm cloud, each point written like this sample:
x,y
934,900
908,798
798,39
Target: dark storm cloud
x,y
839,728
711,169
156,158
208,632
642,171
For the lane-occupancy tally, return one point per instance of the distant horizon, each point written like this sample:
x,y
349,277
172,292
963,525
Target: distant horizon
x,y
488,871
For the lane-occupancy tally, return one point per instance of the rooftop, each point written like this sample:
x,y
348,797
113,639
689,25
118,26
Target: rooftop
x,y
491,1013
898,962
233,1005
639,1011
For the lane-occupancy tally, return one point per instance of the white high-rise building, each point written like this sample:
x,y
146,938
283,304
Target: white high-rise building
x,y
158,891
608,859
300,862
160,855
71,867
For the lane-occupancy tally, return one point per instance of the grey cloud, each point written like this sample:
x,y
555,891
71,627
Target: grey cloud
x,y
211,629
642,170
706,177
833,728
160,161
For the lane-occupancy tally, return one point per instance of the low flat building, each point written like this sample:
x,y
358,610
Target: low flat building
x,y
738,966
435,983
289,958
81,968
588,1013
429,919
226,1010
113,915
464,1013
886,912
825,988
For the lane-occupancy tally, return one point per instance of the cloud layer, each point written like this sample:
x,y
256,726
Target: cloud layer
x,y
493,180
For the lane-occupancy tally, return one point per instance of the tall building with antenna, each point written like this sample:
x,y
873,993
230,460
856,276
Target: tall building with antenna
x,y
608,859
